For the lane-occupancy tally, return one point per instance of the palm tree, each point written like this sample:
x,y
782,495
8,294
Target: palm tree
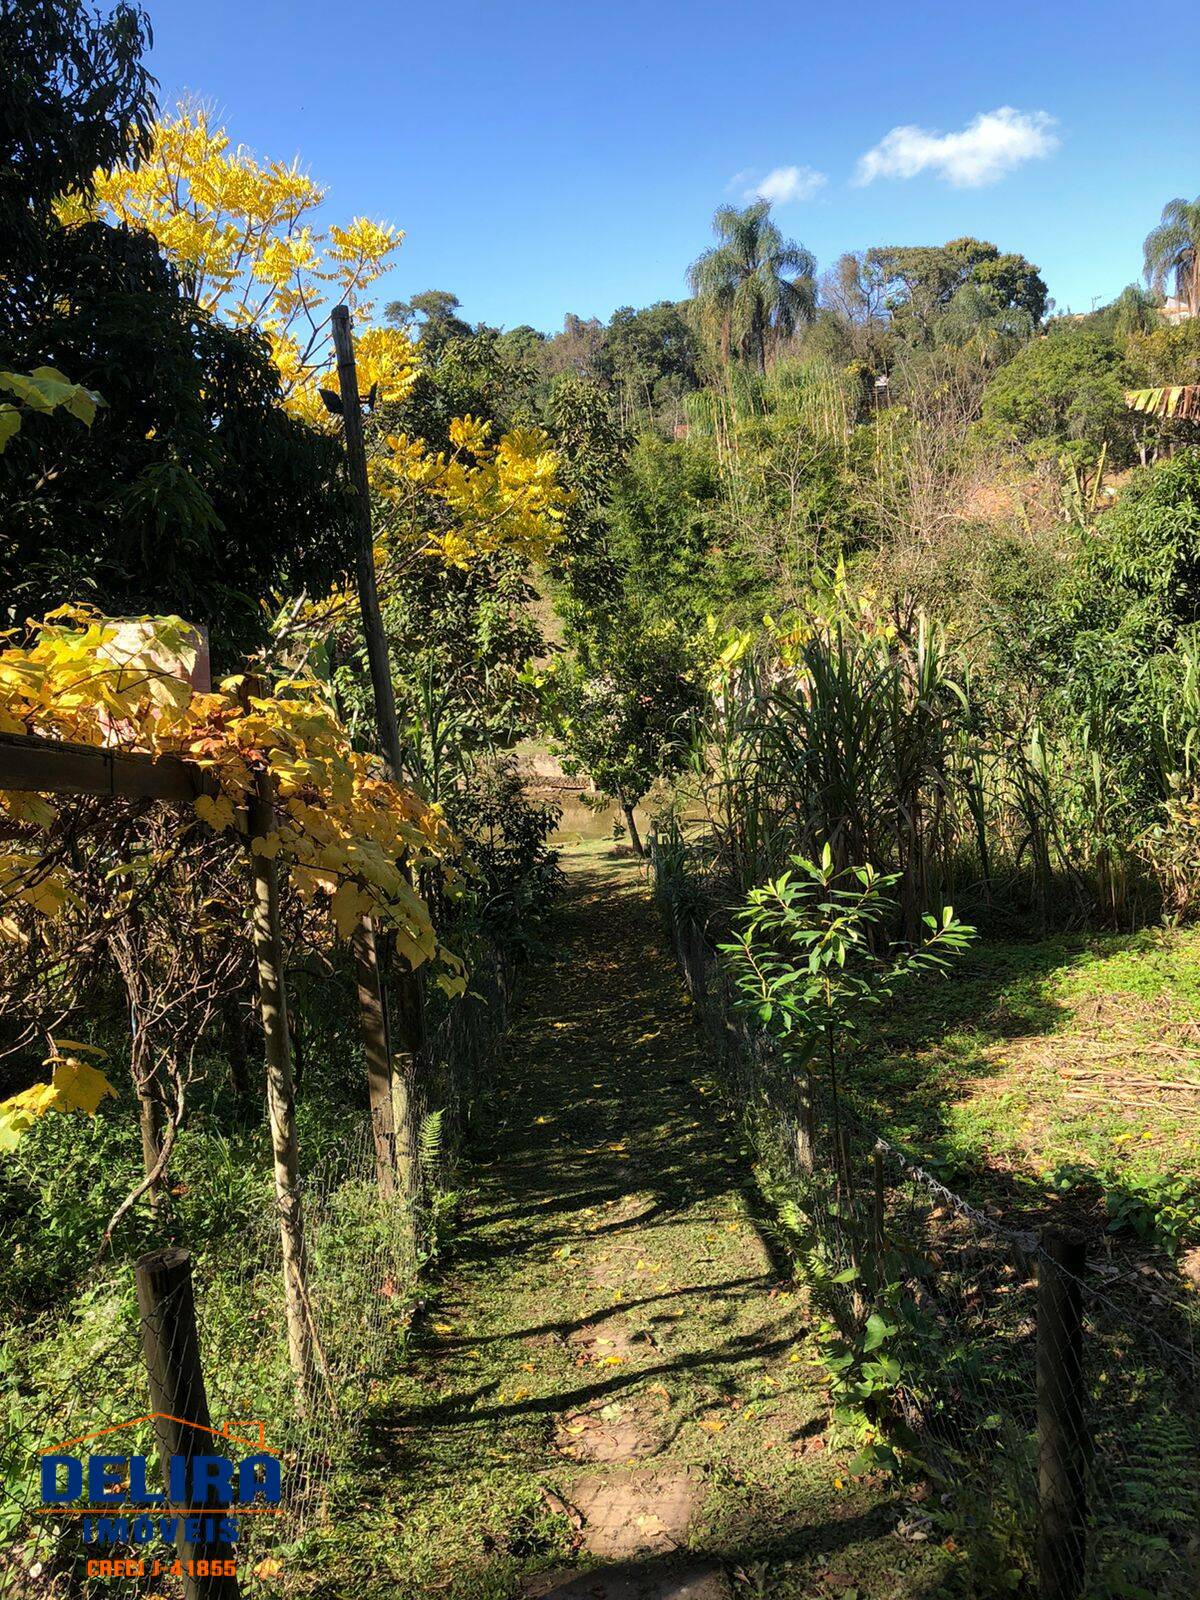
x,y
975,319
758,283
1135,310
1174,246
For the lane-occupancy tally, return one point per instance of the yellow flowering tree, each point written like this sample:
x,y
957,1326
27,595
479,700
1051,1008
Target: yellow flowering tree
x,y
243,235
475,499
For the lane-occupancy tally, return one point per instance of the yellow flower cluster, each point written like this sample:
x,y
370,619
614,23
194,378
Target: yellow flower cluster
x,y
350,837
501,496
238,231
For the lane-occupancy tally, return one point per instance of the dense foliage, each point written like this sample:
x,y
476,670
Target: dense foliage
x,y
872,588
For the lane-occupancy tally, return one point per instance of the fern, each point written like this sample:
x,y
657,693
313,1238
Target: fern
x,y
429,1142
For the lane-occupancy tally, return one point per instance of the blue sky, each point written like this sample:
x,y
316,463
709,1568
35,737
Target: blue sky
x,y
567,156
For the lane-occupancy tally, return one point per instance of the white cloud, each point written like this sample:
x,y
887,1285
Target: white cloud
x,y
780,186
989,146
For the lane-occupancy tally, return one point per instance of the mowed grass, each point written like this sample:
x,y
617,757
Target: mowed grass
x,y
1068,1055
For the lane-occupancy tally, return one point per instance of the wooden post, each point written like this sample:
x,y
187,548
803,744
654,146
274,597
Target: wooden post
x,y
375,1047
182,1423
364,546
409,1030
1062,1429
281,1096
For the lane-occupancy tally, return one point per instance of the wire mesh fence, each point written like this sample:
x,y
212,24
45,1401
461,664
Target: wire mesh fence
x,y
1057,1427
82,1384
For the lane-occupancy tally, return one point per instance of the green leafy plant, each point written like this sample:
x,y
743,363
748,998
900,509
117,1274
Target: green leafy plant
x,y
812,952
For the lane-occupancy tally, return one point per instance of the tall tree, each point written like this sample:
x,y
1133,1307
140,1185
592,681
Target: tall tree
x,y
193,490
649,357
1174,247
239,233
432,315
1135,310
759,284
75,96
922,281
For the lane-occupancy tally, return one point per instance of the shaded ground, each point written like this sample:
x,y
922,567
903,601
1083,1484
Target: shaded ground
x,y
1057,1070
611,1396
1055,1048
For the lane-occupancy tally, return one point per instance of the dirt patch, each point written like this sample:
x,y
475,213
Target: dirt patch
x,y
614,1431
637,1523
638,1512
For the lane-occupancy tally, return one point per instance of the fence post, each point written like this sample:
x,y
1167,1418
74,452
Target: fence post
x,y
409,987
375,1048
281,1093
1062,1428
182,1421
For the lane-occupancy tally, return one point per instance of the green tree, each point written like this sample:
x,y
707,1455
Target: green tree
x,y
757,284
1149,543
976,321
1174,247
478,373
432,315
594,446
662,526
649,357
1134,311
1064,394
620,710
523,344
810,955
921,282
75,95
194,491
574,352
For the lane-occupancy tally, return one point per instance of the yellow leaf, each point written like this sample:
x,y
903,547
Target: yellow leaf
x,y
78,1087
345,909
218,812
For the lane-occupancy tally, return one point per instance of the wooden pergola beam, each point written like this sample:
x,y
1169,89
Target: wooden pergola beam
x,y
51,766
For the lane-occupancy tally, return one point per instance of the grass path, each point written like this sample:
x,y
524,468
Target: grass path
x,y
610,1396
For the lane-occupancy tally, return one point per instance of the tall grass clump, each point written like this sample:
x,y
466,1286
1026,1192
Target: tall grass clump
x,y
876,733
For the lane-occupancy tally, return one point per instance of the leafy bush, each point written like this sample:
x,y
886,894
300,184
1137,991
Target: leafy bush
x,y
1150,542
1064,394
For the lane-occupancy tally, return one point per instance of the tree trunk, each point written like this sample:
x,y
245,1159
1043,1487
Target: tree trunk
x,y
150,1122
378,1060
635,837
805,1123
281,1099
